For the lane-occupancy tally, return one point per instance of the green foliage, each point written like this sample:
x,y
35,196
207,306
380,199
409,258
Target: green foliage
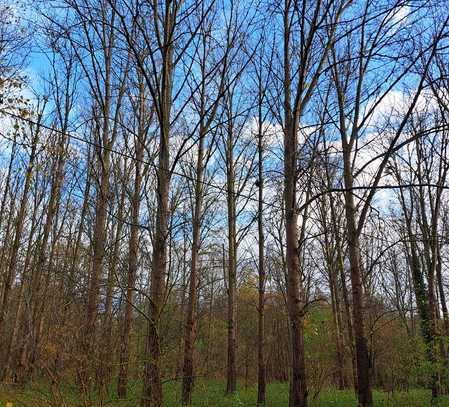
x,y
211,393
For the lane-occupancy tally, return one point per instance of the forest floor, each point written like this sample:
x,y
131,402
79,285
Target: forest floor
x,y
209,394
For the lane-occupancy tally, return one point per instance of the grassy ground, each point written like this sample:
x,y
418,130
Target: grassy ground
x,y
210,394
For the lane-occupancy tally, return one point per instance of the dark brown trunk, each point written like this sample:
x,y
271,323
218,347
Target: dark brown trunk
x,y
190,328
365,397
106,351
133,248
231,372
331,252
152,392
261,371
298,387
335,303
99,236
347,313
295,300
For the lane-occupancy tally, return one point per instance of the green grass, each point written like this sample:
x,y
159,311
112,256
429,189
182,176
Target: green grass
x,y
211,394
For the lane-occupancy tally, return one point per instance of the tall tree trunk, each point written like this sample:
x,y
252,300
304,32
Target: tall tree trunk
x,y
133,249
152,392
336,321
106,352
152,395
190,328
99,237
347,313
231,371
365,396
182,308
340,274
331,255
295,301
261,368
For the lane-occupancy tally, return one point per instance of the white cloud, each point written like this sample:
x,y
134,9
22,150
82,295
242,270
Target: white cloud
x,y
400,14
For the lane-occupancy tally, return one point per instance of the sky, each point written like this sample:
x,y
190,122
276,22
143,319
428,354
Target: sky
x,y
39,66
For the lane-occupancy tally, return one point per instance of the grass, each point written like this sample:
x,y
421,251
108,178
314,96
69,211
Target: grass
x,y
211,394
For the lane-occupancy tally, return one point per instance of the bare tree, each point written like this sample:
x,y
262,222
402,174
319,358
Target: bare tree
x,y
354,86
303,62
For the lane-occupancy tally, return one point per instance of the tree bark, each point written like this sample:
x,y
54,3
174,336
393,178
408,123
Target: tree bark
x,y
364,391
231,371
261,367
295,301
152,393
190,328
133,249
